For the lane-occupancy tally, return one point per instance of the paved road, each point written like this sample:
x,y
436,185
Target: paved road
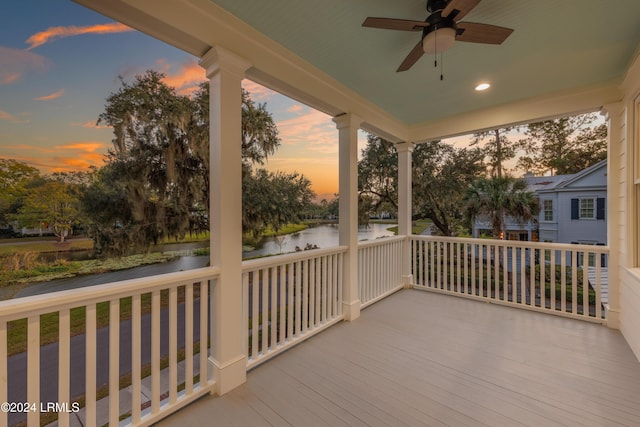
x,y
13,242
17,364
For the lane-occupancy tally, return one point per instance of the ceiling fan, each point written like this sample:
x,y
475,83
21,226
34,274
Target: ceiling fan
x,y
441,29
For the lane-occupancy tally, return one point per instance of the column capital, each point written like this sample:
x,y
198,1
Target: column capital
x,y
611,109
403,147
218,58
347,120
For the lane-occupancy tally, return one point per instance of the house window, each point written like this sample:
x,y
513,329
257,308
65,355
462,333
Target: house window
x,y
547,207
587,209
591,257
547,253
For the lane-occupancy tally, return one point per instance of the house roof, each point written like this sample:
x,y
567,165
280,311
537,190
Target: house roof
x,y
583,173
563,57
542,183
559,182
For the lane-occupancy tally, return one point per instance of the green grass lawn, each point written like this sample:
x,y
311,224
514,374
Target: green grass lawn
x,y
195,237
250,242
419,226
44,272
43,246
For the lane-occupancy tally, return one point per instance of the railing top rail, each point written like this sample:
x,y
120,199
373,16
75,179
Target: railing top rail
x,y
380,241
272,261
39,304
516,243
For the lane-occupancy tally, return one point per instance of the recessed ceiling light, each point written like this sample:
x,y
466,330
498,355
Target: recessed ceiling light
x,y
483,86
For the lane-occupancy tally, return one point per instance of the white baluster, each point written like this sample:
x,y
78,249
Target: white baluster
x,y
64,361
114,361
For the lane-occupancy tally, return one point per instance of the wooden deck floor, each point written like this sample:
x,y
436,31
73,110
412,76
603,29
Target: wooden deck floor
x,y
418,358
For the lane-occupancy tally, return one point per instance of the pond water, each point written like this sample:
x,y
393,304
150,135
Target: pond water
x,y
322,236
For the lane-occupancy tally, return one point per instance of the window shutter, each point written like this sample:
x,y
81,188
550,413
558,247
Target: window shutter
x,y
575,209
600,208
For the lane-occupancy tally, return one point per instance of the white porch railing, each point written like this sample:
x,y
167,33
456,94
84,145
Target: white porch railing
x,y
149,309
379,268
556,278
286,299
289,298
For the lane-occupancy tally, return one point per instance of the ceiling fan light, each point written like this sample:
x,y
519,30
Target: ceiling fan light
x,y
439,40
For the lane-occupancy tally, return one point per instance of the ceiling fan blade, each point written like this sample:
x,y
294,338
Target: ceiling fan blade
x,y
482,33
394,24
412,58
459,8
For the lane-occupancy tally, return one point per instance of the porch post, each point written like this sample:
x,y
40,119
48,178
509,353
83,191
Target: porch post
x,y
225,71
613,116
405,207
348,125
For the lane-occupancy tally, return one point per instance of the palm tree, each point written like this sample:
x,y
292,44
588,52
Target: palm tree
x,y
498,197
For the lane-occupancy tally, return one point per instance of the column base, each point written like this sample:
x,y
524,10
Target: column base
x,y
613,317
351,310
229,375
407,281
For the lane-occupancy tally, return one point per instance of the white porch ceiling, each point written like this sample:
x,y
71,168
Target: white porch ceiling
x,y
556,45
569,52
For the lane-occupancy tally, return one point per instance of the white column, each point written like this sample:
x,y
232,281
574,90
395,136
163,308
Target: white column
x,y
348,125
225,72
405,207
613,117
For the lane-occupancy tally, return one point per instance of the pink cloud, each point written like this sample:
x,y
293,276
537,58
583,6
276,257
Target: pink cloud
x,y
8,78
60,164
11,118
88,146
53,33
258,92
313,130
66,157
91,124
16,63
51,96
295,108
185,77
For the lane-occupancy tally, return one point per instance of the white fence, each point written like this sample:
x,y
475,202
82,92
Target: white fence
x,y
379,268
556,278
290,298
154,311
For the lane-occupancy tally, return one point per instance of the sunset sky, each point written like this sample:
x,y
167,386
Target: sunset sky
x,y
58,63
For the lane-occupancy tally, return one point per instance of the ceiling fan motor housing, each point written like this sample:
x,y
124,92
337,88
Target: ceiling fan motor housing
x,y
441,29
440,34
436,5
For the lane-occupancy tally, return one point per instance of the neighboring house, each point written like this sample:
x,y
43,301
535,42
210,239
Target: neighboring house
x,y
515,229
572,209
